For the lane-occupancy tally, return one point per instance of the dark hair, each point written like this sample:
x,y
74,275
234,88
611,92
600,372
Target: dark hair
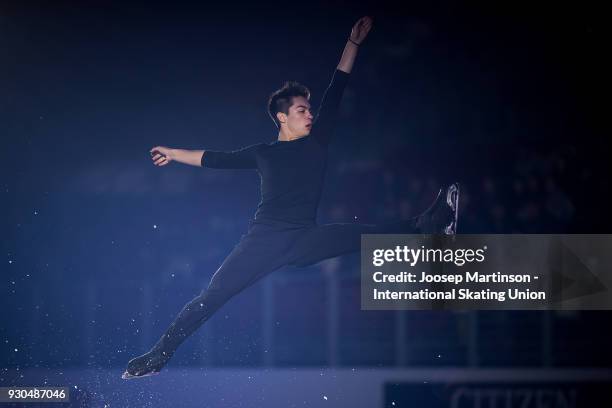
x,y
282,99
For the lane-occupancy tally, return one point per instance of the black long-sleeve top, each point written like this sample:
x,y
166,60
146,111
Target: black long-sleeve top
x,y
291,172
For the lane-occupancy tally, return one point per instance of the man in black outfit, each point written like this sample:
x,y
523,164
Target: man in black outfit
x,y
284,229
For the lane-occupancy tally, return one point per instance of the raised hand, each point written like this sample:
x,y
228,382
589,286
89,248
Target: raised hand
x,y
361,29
161,155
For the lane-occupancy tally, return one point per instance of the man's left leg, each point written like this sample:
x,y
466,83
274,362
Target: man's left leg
x,y
259,252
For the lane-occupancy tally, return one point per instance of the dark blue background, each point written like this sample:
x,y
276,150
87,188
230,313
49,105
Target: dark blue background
x,y
101,249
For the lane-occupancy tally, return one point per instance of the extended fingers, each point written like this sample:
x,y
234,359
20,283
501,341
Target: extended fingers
x,y
366,23
362,27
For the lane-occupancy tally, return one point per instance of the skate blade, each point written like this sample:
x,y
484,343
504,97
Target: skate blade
x,y
452,199
128,376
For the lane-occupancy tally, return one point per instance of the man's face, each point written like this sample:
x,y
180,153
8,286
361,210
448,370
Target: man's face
x,y
299,119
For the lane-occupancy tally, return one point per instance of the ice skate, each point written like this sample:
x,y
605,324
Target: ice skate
x,y
442,216
146,365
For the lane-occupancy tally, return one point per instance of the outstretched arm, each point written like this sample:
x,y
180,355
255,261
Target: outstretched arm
x,y
328,110
163,155
237,159
358,34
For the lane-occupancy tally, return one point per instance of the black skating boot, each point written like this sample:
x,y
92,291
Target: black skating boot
x,y
148,364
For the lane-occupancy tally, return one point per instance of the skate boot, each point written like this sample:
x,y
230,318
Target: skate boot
x,y
442,216
148,364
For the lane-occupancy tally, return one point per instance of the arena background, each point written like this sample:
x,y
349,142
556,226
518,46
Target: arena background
x,y
101,249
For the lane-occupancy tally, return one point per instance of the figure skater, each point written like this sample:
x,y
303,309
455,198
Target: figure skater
x,y
284,229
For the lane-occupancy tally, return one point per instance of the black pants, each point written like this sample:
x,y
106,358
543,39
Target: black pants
x,y
263,249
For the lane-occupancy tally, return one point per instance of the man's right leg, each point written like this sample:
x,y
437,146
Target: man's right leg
x,y
330,240
254,257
